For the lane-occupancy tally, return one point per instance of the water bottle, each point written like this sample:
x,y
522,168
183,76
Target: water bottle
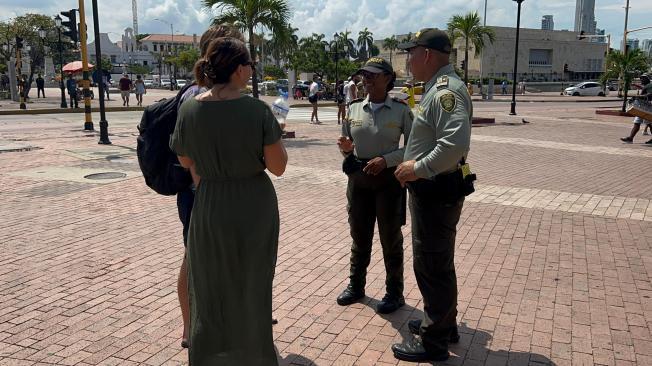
x,y
281,108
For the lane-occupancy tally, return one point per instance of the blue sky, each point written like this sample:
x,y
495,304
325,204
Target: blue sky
x,y
382,17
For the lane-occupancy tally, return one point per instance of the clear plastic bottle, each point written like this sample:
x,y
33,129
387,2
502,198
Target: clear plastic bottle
x,y
281,108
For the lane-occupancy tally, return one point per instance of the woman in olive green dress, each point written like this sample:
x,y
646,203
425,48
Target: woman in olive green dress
x,y
227,140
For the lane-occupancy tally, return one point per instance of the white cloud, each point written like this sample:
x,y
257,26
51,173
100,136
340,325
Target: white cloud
x,y
382,17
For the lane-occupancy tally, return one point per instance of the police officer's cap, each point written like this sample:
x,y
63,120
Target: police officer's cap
x,y
432,38
376,65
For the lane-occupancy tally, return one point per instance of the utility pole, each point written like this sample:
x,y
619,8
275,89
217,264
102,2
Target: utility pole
x,y
104,125
623,76
88,124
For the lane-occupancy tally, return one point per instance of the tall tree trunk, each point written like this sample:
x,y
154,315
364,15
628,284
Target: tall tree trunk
x,y
466,62
252,52
390,56
625,89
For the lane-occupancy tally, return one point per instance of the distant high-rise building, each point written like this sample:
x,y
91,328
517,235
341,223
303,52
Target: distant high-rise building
x,y
632,44
547,23
646,46
600,32
585,16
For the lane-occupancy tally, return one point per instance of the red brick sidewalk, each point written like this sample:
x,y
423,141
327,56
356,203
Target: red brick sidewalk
x,y
553,259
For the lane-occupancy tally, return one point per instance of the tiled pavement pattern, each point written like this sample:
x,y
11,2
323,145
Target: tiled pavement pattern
x,y
553,256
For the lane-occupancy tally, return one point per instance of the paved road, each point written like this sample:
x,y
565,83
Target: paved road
x,y
554,251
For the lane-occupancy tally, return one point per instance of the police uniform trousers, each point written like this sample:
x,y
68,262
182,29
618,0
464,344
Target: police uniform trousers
x,y
369,198
434,226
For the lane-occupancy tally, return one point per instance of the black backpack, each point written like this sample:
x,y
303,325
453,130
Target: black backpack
x,y
159,164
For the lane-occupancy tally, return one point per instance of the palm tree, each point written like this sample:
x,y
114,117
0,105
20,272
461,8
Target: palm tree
x,y
469,27
247,14
349,42
390,44
365,43
626,66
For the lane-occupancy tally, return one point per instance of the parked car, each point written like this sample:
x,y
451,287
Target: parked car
x,y
181,83
587,88
165,83
148,83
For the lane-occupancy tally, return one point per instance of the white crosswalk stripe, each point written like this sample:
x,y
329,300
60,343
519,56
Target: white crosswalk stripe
x,y
326,114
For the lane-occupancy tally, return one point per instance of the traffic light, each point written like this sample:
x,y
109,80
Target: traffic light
x,y
565,67
463,65
71,24
79,30
19,42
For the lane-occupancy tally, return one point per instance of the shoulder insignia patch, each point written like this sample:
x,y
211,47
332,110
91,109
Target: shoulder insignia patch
x,y
442,82
447,102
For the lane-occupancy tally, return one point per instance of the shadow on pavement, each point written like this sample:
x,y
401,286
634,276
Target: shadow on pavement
x,y
474,346
303,143
294,359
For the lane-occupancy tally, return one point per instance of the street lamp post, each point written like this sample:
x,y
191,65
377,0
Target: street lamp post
x,y
57,22
131,76
518,25
42,33
104,124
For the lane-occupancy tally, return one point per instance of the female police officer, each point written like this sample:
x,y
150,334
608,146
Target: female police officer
x,y
370,142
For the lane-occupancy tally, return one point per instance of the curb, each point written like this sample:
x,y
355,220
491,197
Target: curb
x,y
614,112
66,110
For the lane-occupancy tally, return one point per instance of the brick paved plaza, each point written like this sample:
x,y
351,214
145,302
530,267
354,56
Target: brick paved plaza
x,y
554,250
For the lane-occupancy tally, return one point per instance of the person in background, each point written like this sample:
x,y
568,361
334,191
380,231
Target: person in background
x,y
125,89
40,86
645,94
139,89
313,96
234,228
375,125
341,101
71,86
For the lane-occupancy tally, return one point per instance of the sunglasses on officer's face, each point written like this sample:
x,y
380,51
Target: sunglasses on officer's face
x,y
371,75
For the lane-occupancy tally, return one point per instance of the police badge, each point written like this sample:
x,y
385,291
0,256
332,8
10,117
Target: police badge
x,y
447,102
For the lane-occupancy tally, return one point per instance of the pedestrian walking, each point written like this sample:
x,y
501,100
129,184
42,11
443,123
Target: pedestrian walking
x,y
40,86
341,101
313,96
503,87
375,125
645,95
139,90
4,81
125,89
437,177
233,236
106,78
71,86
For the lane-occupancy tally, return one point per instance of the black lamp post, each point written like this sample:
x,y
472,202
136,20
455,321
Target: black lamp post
x,y
518,26
42,33
104,124
57,22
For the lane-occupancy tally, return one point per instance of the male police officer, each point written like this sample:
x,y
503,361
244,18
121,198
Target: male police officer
x,y
435,172
375,125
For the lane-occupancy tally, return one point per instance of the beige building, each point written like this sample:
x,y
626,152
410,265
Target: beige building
x,y
542,55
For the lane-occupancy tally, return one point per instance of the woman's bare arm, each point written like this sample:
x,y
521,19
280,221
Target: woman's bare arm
x,y
276,158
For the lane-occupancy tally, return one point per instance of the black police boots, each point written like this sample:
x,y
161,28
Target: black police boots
x,y
415,324
413,351
390,304
349,296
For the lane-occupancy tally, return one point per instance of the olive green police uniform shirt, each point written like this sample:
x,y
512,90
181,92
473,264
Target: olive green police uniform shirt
x,y
378,133
441,131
